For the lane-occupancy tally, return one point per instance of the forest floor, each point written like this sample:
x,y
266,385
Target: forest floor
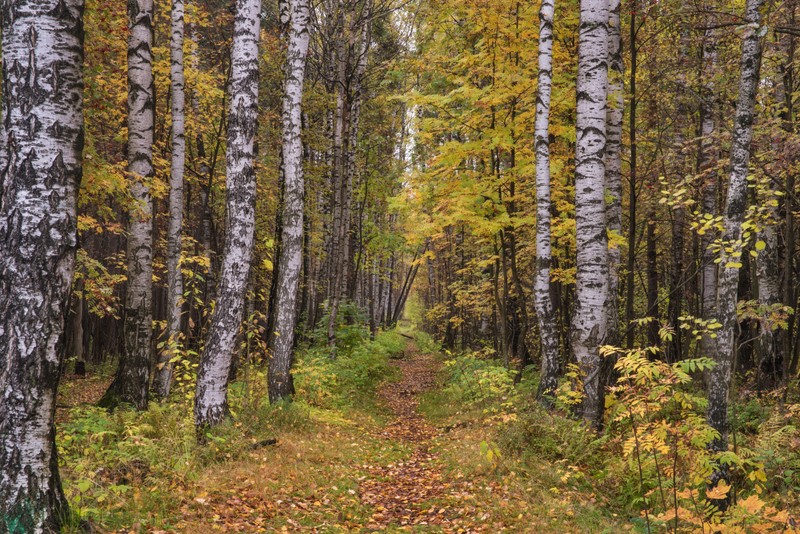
x,y
405,474
409,459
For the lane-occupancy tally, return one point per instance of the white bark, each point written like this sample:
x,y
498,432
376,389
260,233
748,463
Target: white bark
x,y
132,380
735,206
706,163
211,402
295,15
42,47
589,320
548,331
174,231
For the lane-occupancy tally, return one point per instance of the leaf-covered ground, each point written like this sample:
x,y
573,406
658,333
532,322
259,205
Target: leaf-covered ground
x,y
404,475
383,467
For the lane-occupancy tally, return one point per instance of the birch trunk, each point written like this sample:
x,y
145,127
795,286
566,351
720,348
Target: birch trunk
x,y
589,320
211,399
548,330
294,14
719,379
42,47
706,164
132,380
769,294
163,380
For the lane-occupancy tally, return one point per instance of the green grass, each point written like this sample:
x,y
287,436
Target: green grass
x,y
139,470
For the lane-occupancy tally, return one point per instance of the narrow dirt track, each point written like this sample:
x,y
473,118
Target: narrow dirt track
x,y
401,493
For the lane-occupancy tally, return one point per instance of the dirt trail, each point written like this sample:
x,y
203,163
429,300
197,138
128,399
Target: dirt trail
x,y
401,493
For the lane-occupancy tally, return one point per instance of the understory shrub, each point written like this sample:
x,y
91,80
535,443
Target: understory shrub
x,y
477,379
426,342
349,378
652,460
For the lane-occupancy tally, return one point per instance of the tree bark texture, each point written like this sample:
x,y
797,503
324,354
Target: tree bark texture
x,y
132,380
211,399
719,379
548,329
42,44
706,164
163,380
589,320
295,15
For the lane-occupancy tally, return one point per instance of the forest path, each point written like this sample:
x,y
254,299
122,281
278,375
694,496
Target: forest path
x,y
354,476
402,492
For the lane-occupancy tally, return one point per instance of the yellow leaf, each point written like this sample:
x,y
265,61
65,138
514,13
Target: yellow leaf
x,y
752,504
719,492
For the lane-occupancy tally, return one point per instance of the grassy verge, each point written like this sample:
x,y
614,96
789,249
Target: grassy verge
x,y
567,478
144,471
531,482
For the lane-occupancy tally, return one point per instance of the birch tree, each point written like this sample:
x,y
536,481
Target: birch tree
x,y
211,399
548,333
132,379
706,164
295,16
174,277
719,379
42,43
589,320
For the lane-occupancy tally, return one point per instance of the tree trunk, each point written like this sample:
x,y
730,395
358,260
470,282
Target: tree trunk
x,y
789,362
719,377
706,164
632,196
769,294
589,320
174,278
41,155
211,402
346,134
613,163
294,14
132,380
548,330
653,339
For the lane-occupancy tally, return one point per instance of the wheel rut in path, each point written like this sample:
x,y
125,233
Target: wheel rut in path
x,y
402,493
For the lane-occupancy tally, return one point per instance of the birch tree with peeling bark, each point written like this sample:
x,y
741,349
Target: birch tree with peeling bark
x,y
42,146
295,17
132,380
589,320
548,329
719,377
211,399
163,380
